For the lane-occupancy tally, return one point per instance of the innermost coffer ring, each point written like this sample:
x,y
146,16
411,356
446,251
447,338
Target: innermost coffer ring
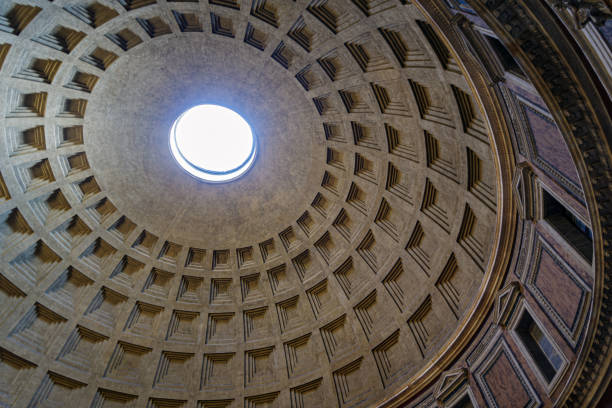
x,y
213,143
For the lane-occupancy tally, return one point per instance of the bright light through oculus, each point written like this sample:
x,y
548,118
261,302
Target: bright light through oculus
x,y
212,143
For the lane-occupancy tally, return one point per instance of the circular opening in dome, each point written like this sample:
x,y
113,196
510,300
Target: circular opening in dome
x,y
212,143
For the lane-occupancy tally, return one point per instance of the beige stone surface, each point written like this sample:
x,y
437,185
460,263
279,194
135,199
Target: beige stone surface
x,y
127,129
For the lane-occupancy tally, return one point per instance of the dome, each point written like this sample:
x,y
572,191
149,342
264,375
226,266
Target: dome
x,y
413,218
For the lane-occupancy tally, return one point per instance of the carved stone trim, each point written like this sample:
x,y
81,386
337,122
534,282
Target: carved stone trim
x,y
449,384
506,303
525,191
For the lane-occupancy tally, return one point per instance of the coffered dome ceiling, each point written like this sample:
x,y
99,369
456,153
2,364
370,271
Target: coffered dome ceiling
x,y
344,263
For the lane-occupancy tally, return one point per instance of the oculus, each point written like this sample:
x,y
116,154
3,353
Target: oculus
x,y
213,143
